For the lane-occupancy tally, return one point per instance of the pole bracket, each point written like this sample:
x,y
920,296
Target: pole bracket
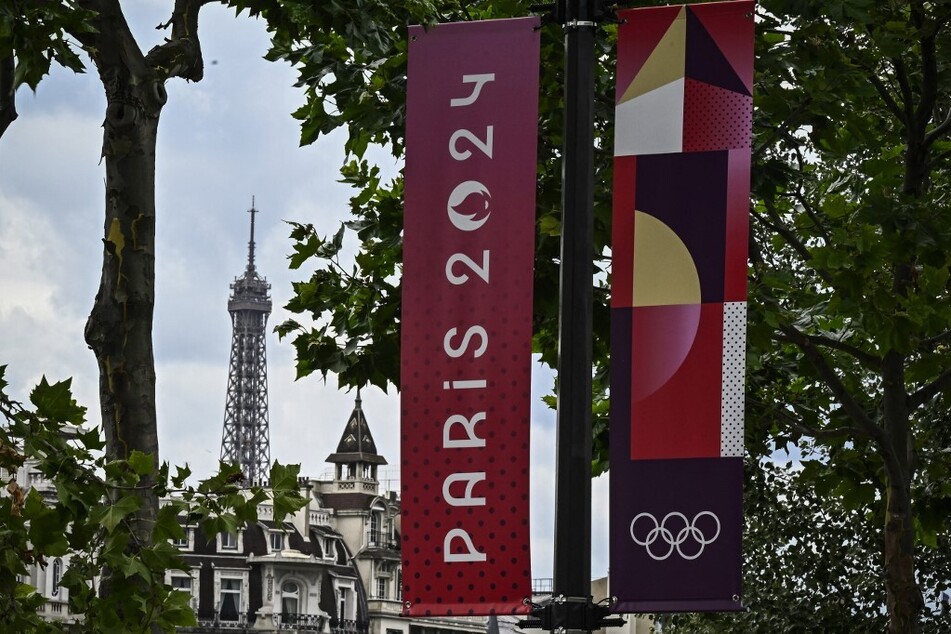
x,y
563,615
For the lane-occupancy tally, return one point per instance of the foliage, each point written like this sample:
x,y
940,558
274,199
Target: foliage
x,y
812,562
37,32
355,77
88,518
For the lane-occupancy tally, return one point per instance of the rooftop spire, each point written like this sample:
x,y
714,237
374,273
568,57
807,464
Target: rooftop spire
x,y
251,211
356,443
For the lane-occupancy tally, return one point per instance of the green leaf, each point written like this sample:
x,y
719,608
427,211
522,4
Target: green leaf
x,y
56,402
141,463
110,515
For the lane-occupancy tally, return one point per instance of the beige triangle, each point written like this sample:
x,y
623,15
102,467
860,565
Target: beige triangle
x,y
666,62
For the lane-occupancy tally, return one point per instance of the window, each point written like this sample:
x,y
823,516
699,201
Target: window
x,y
182,583
290,600
375,536
57,576
381,587
277,542
184,542
229,541
230,599
345,611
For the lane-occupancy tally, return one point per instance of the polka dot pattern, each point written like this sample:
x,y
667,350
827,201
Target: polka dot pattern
x,y
715,118
734,373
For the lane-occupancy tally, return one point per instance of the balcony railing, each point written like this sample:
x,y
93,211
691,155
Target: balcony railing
x,y
301,622
346,626
379,539
225,623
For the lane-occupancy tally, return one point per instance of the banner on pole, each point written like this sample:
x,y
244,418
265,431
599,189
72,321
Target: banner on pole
x,y
678,305
468,256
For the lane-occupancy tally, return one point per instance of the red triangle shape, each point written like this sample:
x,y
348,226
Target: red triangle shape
x,y
638,35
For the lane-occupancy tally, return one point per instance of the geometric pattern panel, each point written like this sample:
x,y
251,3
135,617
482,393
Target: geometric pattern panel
x,y
683,117
734,372
705,61
647,37
732,30
686,89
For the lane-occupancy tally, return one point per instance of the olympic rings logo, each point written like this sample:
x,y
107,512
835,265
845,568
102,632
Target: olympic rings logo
x,y
673,535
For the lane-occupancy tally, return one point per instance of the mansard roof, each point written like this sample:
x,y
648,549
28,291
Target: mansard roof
x,y
356,444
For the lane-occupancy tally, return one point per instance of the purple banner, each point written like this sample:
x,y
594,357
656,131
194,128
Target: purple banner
x,y
678,305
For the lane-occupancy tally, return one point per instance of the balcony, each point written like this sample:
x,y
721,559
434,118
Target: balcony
x,y
220,623
299,622
346,626
379,539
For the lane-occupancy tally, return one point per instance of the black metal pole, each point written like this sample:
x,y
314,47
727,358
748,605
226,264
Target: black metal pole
x,y
572,564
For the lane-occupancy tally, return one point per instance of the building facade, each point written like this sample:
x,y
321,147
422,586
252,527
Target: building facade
x,y
333,567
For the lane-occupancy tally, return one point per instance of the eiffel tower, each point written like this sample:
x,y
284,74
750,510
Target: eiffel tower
x,y
245,440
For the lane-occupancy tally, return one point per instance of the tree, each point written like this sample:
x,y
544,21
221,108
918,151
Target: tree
x,y
119,328
811,562
850,322
852,272
34,34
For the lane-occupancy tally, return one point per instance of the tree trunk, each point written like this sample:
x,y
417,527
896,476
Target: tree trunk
x,y
903,597
119,328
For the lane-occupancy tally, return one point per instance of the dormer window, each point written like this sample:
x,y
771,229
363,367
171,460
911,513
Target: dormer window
x,y
277,541
185,542
228,541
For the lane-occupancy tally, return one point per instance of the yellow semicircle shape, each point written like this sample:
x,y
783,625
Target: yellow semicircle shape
x,y
664,271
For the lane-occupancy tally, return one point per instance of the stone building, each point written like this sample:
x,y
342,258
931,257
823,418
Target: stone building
x,y
333,567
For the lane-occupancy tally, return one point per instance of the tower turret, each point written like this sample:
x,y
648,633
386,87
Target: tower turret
x,y
356,458
245,439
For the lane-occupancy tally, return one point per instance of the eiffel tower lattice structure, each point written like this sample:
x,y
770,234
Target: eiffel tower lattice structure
x,y
245,439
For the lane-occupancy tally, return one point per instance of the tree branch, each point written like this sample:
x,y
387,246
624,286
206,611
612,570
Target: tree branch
x,y
180,55
861,420
808,430
8,110
868,360
901,74
929,391
938,131
776,224
890,103
929,71
933,341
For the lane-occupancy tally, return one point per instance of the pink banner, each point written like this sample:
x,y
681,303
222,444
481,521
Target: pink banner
x,y
468,252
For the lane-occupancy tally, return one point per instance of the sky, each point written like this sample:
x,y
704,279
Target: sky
x,y
220,142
